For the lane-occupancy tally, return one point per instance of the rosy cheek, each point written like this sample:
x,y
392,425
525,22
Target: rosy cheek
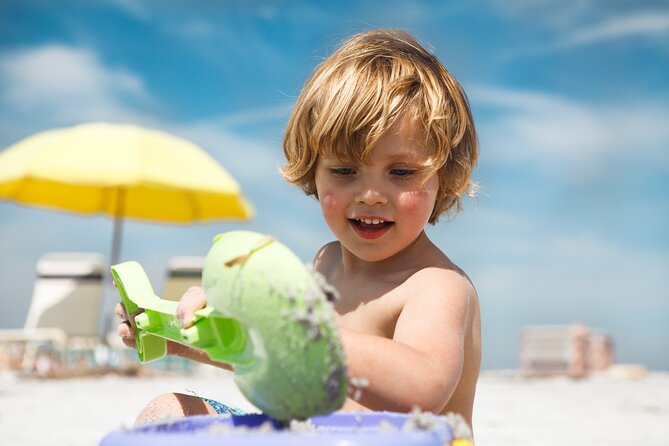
x,y
329,201
419,206
415,201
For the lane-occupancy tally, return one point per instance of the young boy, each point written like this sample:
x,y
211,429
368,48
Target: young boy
x,y
383,137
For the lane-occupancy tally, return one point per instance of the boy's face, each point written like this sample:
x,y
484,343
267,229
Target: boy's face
x,y
377,209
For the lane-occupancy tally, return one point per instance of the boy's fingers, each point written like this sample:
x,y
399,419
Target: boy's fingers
x,y
120,312
192,300
128,341
124,330
126,333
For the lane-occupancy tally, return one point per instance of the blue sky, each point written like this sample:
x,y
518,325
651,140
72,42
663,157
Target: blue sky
x,y
571,100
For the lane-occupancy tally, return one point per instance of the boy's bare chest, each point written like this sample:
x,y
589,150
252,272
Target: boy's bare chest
x,y
369,309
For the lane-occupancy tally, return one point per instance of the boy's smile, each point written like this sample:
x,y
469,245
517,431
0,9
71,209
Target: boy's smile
x,y
379,208
370,227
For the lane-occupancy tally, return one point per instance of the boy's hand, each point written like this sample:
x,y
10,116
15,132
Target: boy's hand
x,y
193,299
124,329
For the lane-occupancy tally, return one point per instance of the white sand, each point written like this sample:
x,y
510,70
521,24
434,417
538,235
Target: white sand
x,y
598,411
509,410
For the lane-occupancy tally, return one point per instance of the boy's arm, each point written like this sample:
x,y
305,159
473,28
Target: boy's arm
x,y
183,351
422,365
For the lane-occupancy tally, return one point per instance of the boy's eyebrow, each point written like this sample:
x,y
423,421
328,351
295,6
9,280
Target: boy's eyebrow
x,y
407,156
337,159
412,157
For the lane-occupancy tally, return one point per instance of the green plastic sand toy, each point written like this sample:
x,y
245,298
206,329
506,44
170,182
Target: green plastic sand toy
x,y
268,316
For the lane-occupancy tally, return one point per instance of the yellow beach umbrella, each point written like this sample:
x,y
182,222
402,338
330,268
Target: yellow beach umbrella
x,y
123,171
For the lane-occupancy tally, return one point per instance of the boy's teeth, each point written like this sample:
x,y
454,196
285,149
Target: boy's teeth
x,y
370,222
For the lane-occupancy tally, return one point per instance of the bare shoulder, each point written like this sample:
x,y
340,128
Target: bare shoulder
x,y
442,298
442,281
435,276
327,257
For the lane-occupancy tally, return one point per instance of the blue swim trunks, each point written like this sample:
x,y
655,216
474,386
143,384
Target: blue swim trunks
x,y
221,408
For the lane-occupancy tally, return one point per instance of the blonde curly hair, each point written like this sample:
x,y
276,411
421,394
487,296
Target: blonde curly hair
x,y
356,95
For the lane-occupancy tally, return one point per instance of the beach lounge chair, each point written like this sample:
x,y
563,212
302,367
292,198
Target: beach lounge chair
x,y
182,273
65,306
568,350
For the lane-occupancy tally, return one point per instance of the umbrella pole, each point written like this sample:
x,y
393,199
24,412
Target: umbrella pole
x,y
118,226
116,240
107,314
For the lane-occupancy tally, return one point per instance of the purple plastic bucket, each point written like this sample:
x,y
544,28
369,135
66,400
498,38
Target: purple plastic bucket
x,y
340,428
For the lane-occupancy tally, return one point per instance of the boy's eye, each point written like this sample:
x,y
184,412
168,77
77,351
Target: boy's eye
x,y
342,171
402,172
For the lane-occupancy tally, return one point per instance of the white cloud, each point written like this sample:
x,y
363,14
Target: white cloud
x,y
640,24
578,24
553,13
253,116
541,129
70,83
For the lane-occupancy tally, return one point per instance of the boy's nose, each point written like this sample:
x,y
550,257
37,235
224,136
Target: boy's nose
x,y
370,195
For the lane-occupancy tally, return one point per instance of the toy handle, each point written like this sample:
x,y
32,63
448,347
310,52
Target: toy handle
x,y
222,338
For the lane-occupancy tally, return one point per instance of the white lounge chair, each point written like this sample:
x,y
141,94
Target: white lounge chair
x,y
182,273
65,305
568,350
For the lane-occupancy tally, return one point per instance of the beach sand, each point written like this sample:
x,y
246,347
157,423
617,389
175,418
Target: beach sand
x,y
510,410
